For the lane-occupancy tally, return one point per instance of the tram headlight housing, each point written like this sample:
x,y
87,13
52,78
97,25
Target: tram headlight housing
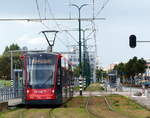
x,y
28,91
53,91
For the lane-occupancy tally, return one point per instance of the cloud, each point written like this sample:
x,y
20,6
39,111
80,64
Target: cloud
x,y
32,42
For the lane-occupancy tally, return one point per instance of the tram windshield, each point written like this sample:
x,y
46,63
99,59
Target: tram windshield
x,y
41,70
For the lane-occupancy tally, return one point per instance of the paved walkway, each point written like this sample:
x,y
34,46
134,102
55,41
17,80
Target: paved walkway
x,y
14,102
143,100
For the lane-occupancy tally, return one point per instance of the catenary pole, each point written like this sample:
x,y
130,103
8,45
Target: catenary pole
x,y
80,63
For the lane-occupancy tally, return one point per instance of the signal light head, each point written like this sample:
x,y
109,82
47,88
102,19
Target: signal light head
x,y
22,57
132,41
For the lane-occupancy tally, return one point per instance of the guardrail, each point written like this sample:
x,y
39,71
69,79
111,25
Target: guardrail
x,y
7,93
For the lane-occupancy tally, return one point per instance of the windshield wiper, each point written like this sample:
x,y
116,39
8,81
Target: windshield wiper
x,y
50,76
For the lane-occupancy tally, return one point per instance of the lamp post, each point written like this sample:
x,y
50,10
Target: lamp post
x,y
80,65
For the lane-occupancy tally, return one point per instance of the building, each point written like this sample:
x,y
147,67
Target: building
x,y
147,72
73,57
110,67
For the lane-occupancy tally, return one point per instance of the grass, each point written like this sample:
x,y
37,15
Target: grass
x,y
77,88
72,113
77,102
95,87
128,107
122,108
26,113
44,113
91,87
5,83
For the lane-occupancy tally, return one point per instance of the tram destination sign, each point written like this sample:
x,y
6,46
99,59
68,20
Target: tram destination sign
x,y
41,61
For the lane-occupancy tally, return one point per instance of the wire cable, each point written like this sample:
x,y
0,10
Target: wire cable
x,y
58,26
103,6
38,10
45,8
50,10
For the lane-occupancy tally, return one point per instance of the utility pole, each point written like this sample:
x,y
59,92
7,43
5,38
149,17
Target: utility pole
x,y
11,54
80,64
94,71
84,58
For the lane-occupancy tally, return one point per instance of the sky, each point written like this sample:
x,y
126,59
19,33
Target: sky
x,y
123,18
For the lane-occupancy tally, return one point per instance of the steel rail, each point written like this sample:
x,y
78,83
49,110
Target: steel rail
x,y
107,103
88,110
51,114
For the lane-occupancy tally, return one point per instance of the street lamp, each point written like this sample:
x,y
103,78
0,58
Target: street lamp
x,y
80,65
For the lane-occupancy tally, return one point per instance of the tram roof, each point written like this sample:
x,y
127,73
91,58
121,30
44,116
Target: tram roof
x,y
42,52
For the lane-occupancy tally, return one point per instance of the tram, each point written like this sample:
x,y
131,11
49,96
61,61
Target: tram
x,y
48,79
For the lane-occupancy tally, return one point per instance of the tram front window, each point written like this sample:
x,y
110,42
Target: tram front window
x,y
41,72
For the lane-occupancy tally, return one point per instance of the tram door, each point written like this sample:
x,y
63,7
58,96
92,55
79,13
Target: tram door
x,y
59,80
18,82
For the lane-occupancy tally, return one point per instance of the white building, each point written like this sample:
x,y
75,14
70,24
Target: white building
x,y
147,73
73,57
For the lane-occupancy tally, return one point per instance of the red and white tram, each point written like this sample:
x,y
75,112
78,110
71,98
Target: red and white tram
x,y
48,79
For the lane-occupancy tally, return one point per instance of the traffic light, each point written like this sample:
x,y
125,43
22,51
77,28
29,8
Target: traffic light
x,y
132,41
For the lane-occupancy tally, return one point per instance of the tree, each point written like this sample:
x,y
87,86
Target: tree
x,y
5,61
100,74
4,67
134,67
76,71
11,47
120,68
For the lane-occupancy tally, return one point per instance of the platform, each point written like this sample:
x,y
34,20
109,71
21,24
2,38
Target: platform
x,y
14,102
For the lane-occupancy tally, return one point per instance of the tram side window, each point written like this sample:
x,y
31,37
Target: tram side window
x,y
59,73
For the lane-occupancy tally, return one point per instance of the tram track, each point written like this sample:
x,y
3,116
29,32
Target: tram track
x,y
51,113
87,106
88,109
107,103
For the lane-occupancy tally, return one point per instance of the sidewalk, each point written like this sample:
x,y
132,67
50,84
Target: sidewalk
x,y
142,100
14,102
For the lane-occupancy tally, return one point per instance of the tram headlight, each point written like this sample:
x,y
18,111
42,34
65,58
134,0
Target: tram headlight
x,y
28,91
53,91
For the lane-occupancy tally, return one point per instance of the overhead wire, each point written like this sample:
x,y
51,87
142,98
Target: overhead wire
x,y
58,26
71,36
103,6
38,10
50,10
62,42
45,9
45,16
63,30
39,13
46,1
70,8
57,23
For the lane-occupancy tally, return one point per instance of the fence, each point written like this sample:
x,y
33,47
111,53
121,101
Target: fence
x,y
7,93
